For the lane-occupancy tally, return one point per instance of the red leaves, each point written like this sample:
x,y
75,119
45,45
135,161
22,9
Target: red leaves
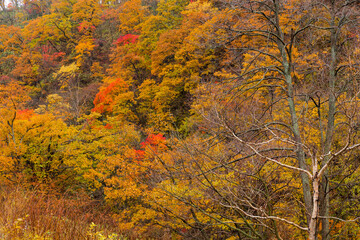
x,y
85,26
49,56
4,79
154,140
104,100
25,114
155,143
139,154
126,39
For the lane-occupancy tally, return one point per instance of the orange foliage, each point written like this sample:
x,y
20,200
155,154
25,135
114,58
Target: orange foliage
x,y
25,114
155,141
104,100
126,39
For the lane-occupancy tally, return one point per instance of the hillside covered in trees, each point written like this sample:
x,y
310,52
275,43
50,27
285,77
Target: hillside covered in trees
x,y
180,119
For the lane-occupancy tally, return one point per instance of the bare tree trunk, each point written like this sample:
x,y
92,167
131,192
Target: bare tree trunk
x,y
299,150
315,210
325,198
286,61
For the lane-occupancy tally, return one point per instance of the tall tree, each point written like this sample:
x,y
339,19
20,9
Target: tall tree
x,y
287,96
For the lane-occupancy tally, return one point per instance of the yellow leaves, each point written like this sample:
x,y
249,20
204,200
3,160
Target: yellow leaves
x,y
232,238
32,144
10,39
123,173
84,48
97,70
223,74
165,51
7,165
171,11
50,27
55,105
291,15
199,7
67,71
100,152
131,15
95,234
27,66
66,74
357,51
122,189
150,32
87,11
148,90
13,95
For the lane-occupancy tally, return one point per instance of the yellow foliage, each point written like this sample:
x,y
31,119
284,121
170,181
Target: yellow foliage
x,y
84,48
66,74
131,15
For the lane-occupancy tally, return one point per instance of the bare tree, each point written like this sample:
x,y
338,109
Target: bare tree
x,y
291,102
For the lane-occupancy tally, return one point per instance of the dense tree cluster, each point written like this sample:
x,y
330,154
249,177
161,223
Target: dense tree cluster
x,y
191,119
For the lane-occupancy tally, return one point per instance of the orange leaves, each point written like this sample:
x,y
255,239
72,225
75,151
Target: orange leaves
x,y
84,48
154,140
32,142
25,114
153,145
85,26
87,12
130,181
131,15
164,54
12,95
104,100
10,39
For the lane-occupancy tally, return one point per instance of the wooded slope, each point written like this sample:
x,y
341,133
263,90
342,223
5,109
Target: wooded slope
x,y
184,119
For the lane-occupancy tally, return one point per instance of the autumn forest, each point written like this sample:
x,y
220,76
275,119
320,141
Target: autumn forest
x,y
180,119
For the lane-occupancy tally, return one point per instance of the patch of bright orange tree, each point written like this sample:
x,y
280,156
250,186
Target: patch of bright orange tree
x,y
191,119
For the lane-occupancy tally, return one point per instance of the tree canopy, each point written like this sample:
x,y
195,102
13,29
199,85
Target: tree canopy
x,y
204,119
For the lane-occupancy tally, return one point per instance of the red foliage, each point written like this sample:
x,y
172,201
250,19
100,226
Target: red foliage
x,y
110,14
154,140
10,6
25,114
32,6
126,39
140,154
50,58
104,99
4,79
84,26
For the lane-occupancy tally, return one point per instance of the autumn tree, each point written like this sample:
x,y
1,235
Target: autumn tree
x,y
284,103
161,64
205,119
30,143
